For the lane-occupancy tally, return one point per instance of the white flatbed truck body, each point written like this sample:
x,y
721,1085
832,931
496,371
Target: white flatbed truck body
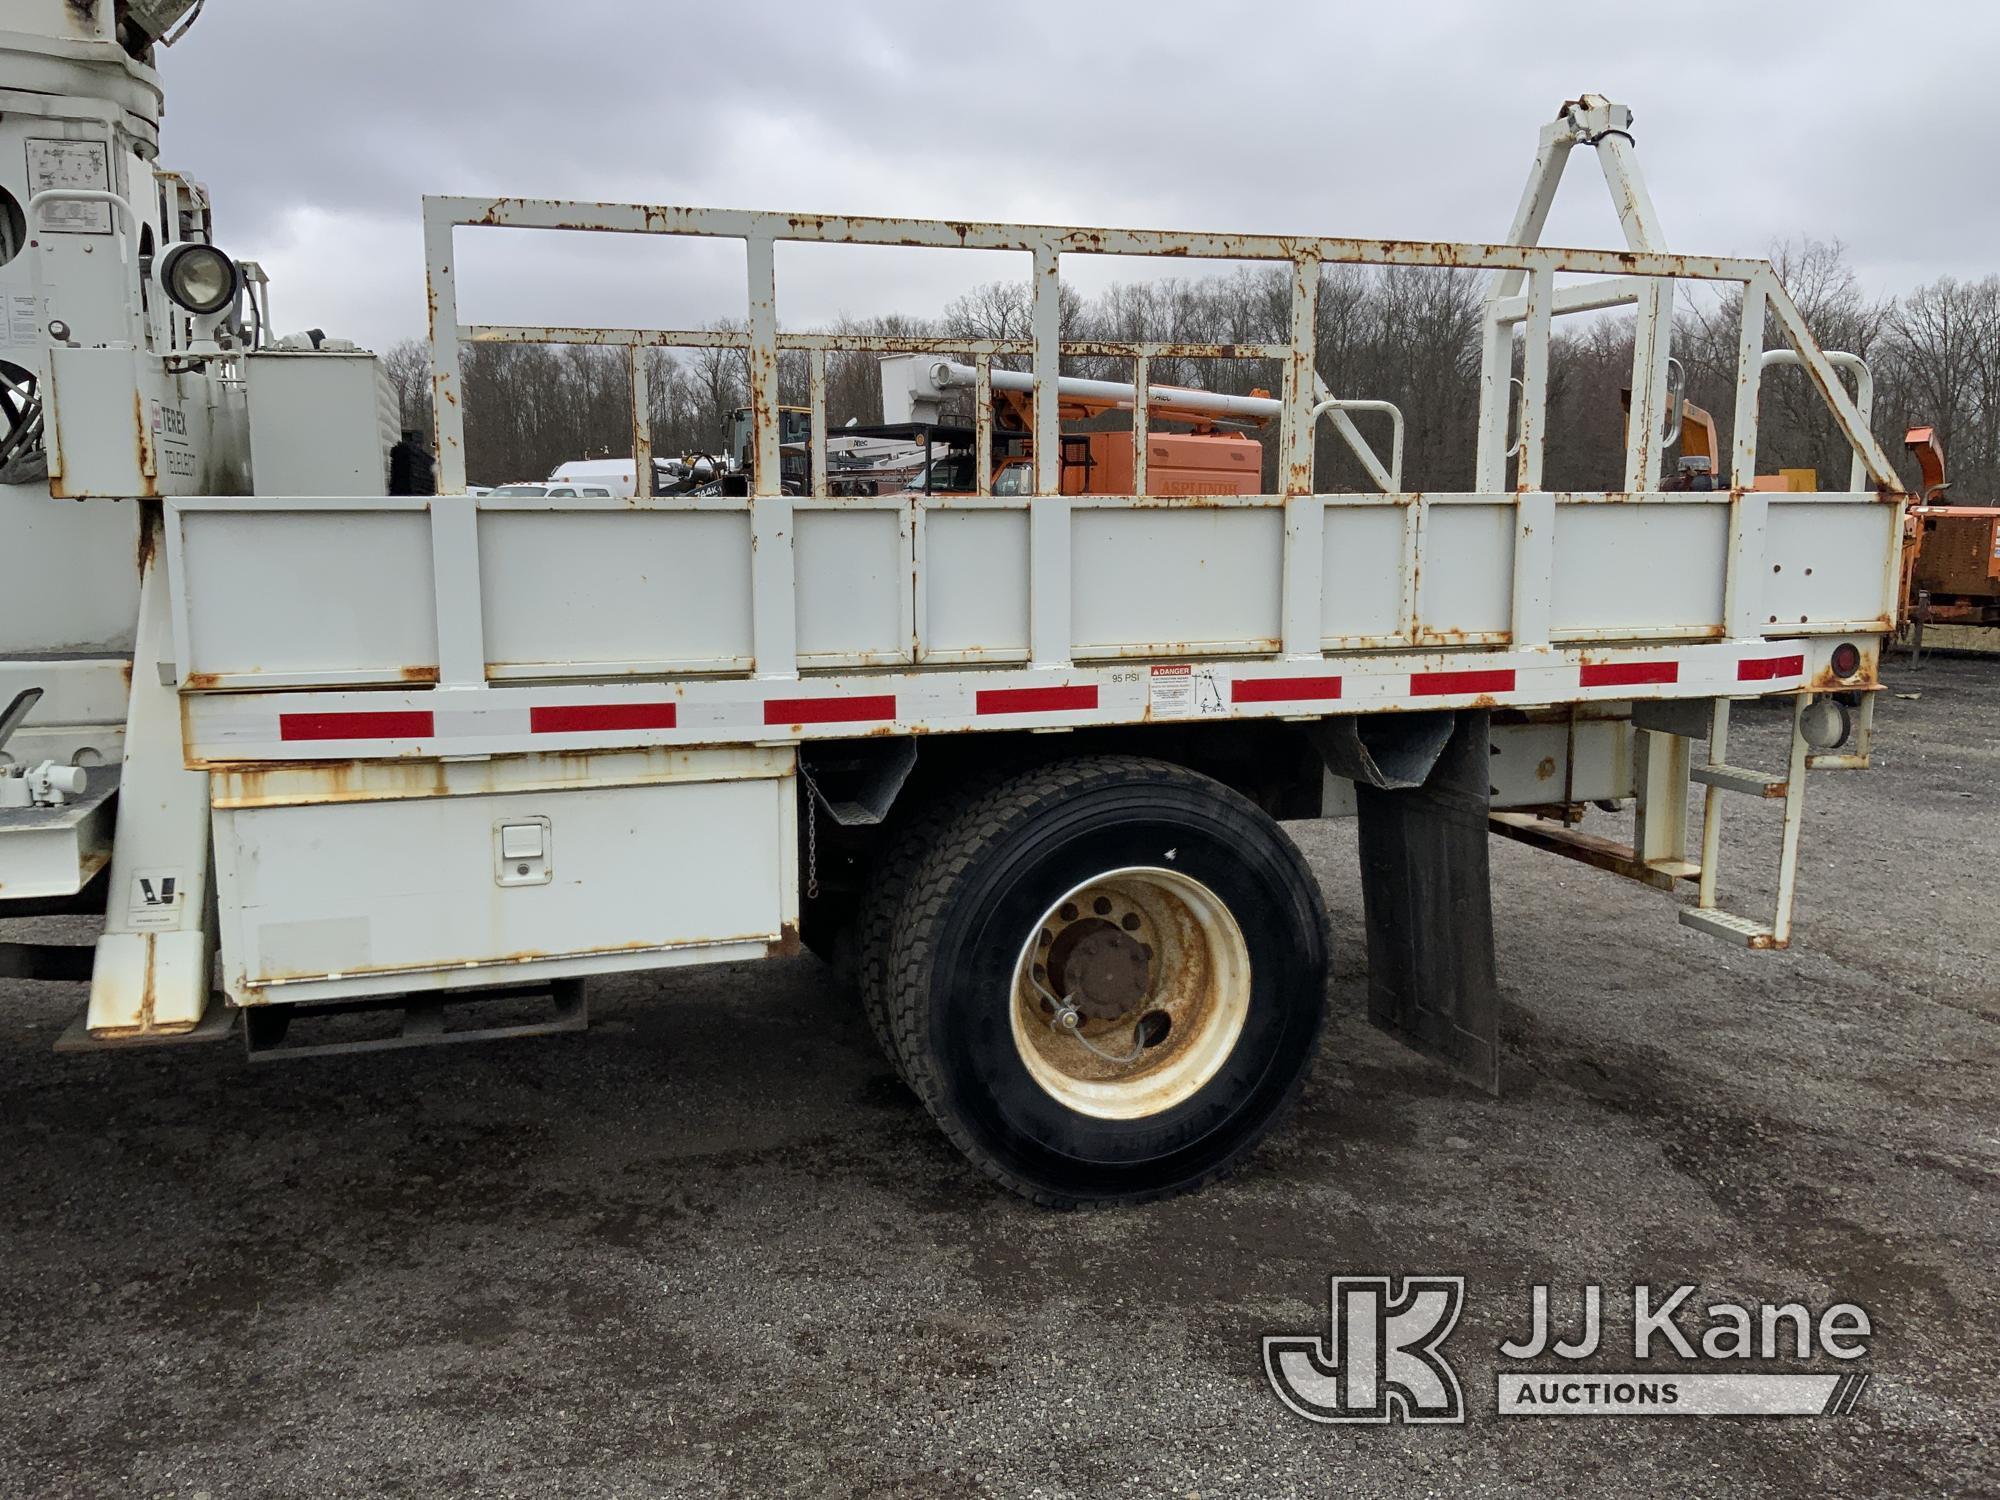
x,y
388,745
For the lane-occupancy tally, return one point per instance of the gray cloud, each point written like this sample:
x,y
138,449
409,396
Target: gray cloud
x,y
318,127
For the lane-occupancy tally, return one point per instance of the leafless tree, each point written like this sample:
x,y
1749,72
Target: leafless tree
x,y
408,366
1944,348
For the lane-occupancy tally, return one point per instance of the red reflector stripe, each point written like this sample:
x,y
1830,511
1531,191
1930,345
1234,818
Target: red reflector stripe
x,y
1432,684
1766,668
1036,700
581,718
1627,673
396,724
829,710
1282,689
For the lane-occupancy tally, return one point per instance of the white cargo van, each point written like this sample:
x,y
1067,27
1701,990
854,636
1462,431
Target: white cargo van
x,y
616,476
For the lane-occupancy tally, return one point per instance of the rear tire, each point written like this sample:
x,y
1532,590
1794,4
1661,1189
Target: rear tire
x,y
1107,979
882,899
875,926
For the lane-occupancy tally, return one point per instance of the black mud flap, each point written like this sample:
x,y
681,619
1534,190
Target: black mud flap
x,y
1427,900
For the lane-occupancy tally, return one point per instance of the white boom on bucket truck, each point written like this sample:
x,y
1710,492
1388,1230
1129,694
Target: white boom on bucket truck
x,y
1014,758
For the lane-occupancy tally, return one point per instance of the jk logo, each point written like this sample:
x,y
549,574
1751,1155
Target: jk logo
x,y
1380,1360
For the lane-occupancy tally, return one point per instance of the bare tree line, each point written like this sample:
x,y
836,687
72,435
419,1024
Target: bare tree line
x,y
1410,336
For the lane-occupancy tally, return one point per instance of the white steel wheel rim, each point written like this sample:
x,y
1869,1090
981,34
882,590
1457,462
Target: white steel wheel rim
x,y
1161,950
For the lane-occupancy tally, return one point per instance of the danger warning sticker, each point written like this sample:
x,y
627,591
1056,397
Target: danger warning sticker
x,y
1182,691
1172,695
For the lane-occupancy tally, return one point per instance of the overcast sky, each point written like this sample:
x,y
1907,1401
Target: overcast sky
x,y
319,126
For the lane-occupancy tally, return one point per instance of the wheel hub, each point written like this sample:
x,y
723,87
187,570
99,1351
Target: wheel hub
x,y
1103,971
1130,992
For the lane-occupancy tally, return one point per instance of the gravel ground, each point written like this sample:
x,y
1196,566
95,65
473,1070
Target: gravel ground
x,y
711,1246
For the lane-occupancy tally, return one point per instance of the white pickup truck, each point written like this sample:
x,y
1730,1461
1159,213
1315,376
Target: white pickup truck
x,y
1015,759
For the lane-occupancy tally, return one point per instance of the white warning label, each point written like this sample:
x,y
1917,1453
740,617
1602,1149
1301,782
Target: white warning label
x,y
157,898
23,325
1172,693
1181,690
73,166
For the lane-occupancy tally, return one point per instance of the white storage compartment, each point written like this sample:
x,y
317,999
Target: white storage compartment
x,y
355,879
321,423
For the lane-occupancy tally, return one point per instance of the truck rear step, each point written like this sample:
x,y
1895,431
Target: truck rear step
x,y
1659,855
1726,924
1736,779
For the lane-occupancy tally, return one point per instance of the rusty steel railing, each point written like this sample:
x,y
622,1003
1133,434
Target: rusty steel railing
x,y
1630,276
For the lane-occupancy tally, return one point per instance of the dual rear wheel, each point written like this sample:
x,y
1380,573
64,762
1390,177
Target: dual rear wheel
x,y
1104,978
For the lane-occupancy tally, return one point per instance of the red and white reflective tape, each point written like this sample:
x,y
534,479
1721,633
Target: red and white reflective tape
x,y
358,724
830,708
350,723
1597,674
1284,690
1479,681
1034,700
1769,668
588,718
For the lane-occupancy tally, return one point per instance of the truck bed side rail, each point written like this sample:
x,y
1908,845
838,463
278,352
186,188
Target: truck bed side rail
x,y
464,592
